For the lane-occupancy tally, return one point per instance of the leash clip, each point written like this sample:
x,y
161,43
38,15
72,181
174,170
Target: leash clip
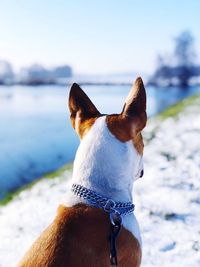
x,y
110,205
115,218
113,261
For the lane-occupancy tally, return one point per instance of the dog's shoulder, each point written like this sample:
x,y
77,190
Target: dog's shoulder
x,y
79,236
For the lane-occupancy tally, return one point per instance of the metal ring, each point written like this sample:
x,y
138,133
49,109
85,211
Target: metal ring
x,y
110,205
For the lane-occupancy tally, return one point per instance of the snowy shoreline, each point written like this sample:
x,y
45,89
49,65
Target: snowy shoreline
x,y
167,198
41,138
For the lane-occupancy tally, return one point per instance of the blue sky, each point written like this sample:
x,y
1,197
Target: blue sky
x,y
106,36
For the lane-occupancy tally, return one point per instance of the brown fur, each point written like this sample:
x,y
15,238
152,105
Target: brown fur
x,y
120,128
79,237
83,111
85,126
129,124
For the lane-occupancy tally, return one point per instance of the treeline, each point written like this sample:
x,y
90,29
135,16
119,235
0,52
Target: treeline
x,y
180,67
33,75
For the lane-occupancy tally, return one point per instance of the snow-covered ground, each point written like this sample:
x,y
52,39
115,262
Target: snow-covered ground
x,y
167,199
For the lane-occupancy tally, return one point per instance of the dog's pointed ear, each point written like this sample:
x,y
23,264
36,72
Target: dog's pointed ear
x,y
134,110
135,103
132,120
81,108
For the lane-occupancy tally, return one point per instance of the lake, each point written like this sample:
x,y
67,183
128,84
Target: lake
x,y
36,136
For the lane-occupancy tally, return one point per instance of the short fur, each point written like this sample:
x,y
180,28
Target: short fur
x,y
108,160
78,237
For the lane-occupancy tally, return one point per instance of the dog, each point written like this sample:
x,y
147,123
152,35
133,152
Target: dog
x,y
107,162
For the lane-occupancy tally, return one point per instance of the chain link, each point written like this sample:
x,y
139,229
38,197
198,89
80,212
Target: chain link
x,y
99,201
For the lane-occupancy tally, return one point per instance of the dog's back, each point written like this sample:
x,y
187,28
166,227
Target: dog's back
x,y
78,237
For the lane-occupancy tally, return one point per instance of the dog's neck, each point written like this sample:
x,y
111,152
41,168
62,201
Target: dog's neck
x,y
107,166
104,164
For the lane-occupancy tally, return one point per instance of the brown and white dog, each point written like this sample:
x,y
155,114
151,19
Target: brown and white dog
x,y
107,161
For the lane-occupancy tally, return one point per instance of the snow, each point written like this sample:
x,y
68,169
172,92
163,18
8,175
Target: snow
x,y
167,199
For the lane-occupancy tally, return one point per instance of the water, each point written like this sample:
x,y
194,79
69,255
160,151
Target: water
x,y
36,136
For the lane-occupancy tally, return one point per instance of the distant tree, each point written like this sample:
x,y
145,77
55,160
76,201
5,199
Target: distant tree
x,y
185,56
37,71
184,49
160,61
6,72
179,67
62,71
35,74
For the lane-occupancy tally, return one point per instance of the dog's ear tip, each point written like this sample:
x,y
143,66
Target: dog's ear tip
x,y
75,90
75,86
139,82
139,79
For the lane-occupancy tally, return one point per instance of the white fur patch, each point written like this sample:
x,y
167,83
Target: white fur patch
x,y
107,166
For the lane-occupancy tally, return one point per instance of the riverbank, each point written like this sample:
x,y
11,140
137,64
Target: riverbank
x,y
167,198
41,138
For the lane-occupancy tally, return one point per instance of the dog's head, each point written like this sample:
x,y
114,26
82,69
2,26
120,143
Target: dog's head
x,y
124,128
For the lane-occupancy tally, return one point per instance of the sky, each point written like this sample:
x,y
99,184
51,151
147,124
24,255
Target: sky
x,y
94,37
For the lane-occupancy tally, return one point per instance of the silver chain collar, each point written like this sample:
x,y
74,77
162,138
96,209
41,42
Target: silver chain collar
x,y
102,202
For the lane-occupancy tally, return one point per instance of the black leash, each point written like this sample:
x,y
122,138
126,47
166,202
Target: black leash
x,y
116,222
